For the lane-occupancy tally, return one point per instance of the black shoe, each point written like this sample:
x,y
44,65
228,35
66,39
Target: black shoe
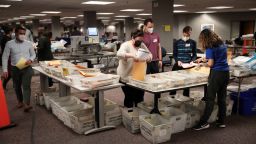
x,y
201,126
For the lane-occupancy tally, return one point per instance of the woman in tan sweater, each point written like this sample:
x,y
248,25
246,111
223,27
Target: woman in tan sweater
x,y
127,55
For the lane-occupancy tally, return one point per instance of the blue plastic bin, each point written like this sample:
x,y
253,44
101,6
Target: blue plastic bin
x,y
247,105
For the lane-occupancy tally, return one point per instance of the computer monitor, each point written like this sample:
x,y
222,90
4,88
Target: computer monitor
x,y
92,31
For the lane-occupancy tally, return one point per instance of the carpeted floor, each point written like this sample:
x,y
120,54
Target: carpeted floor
x,y
49,130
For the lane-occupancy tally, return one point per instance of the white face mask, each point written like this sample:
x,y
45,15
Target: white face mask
x,y
185,38
150,30
22,37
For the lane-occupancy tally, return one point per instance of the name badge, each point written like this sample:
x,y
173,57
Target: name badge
x,y
155,40
187,45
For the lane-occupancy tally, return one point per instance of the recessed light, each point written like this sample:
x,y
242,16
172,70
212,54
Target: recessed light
x,y
121,16
132,10
144,14
220,7
98,2
51,12
206,12
252,9
38,14
4,6
179,11
178,5
104,13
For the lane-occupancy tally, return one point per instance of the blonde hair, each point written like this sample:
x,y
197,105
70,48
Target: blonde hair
x,y
209,39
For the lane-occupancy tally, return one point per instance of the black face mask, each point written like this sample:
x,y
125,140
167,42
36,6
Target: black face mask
x,y
137,43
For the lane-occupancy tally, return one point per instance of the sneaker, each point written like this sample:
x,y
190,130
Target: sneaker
x,y
220,125
201,126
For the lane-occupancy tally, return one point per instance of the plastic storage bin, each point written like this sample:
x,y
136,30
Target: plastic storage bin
x,y
247,103
176,117
193,115
113,117
155,128
131,119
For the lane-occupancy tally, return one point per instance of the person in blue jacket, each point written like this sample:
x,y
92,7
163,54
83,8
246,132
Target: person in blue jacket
x,y
216,57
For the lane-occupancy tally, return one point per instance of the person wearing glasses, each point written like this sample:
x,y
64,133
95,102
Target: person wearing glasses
x,y
19,49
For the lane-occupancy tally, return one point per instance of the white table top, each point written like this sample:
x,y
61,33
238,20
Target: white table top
x,y
198,54
77,87
170,89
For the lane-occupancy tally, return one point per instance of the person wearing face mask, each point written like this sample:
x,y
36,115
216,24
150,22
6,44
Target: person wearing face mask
x,y
184,51
127,56
18,49
152,41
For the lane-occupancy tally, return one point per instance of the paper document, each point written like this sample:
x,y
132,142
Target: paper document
x,y
188,65
21,63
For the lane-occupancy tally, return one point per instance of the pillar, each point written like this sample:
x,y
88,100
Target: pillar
x,y
56,26
129,27
162,14
35,26
120,30
90,19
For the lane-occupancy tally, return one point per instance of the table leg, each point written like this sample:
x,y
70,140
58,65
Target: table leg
x,y
99,115
155,109
43,82
64,90
238,94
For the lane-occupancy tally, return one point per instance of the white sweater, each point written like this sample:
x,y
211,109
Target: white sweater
x,y
124,68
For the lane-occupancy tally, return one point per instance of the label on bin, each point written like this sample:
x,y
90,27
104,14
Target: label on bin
x,y
162,132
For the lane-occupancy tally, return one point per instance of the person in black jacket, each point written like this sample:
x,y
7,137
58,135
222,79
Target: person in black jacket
x,y
44,50
184,51
6,37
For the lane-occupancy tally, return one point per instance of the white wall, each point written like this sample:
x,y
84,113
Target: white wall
x,y
223,22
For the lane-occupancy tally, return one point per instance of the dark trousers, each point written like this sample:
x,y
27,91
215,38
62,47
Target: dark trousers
x,y
22,82
152,67
185,91
5,81
132,97
217,85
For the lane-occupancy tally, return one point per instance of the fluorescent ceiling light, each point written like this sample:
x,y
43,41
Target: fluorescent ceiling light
x,y
15,0
144,14
220,7
120,19
252,9
121,16
80,15
38,14
98,2
44,20
68,17
27,16
51,12
179,11
132,10
104,13
206,12
103,17
178,5
4,6
29,22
